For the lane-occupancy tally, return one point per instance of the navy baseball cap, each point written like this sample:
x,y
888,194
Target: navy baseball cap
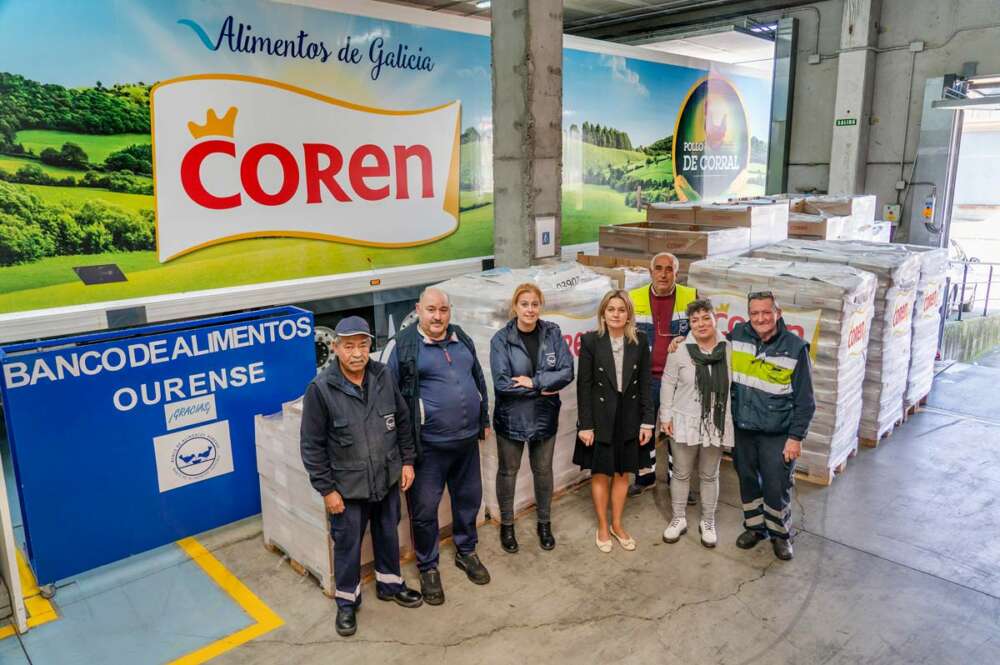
x,y
352,325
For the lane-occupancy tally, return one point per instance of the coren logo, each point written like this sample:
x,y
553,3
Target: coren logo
x,y
271,159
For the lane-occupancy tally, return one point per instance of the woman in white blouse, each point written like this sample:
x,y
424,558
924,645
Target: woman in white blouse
x,y
694,411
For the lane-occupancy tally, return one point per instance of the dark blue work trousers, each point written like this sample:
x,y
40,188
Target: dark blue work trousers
x,y
348,530
765,481
455,465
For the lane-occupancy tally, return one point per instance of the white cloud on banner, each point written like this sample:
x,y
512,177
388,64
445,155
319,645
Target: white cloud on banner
x,y
621,72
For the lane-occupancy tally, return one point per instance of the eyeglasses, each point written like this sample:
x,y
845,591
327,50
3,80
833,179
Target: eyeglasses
x,y
760,295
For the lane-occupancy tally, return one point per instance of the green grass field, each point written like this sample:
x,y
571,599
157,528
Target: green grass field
x,y
11,164
97,146
51,282
663,170
597,156
77,196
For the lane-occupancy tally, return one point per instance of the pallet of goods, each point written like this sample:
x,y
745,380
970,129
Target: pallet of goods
x,y
295,521
898,272
767,220
817,227
480,304
831,307
647,239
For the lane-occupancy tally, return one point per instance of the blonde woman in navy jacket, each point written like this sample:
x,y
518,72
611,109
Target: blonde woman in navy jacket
x,y
530,364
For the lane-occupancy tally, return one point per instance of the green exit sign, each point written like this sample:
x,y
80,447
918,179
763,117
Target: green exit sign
x,y
845,122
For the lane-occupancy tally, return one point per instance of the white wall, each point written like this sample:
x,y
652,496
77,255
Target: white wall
x,y
954,32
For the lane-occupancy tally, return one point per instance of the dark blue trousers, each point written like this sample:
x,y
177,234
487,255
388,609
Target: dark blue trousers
x,y
348,530
456,466
765,481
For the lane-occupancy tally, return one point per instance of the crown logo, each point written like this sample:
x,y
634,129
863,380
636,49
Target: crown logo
x,y
214,125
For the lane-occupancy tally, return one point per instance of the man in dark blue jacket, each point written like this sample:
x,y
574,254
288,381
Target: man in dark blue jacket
x,y
357,446
773,405
441,379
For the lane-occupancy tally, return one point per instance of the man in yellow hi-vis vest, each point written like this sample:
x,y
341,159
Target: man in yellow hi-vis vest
x,y
661,313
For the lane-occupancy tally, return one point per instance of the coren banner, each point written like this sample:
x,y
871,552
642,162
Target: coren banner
x,y
160,147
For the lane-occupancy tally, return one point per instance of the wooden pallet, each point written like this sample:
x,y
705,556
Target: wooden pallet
x,y
823,476
326,584
914,409
884,436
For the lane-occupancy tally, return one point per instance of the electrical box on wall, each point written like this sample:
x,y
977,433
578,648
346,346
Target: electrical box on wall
x,y
545,237
891,212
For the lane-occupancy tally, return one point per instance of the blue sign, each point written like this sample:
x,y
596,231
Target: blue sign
x,y
124,441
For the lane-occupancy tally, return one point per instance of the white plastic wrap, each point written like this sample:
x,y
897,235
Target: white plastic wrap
x,y
897,270
830,306
926,321
480,304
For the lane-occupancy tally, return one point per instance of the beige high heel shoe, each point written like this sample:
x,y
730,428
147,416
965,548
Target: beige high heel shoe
x,y
603,545
628,544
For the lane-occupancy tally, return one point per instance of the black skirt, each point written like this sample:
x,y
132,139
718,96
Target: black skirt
x,y
619,456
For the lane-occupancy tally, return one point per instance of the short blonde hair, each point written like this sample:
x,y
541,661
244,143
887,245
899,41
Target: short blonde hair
x,y
525,288
602,327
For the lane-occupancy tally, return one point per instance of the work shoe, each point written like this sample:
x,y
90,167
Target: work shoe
x,y
749,539
508,541
473,567
347,621
545,537
677,528
782,548
707,530
406,597
430,587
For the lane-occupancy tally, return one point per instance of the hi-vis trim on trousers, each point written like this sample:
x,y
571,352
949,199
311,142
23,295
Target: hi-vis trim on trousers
x,y
347,595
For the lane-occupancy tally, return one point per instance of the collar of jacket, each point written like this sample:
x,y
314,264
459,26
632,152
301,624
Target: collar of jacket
x,y
335,377
512,333
449,336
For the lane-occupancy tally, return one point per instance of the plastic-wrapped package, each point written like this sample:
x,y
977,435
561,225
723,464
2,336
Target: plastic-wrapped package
x,y
898,271
480,304
927,309
831,307
293,513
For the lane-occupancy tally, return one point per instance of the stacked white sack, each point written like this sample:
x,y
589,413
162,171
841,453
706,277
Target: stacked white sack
x,y
898,272
927,310
831,307
480,304
293,513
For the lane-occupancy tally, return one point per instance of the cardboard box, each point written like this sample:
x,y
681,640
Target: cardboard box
x,y
801,225
767,221
671,212
623,237
861,207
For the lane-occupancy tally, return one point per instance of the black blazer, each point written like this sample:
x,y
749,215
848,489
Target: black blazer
x,y
596,393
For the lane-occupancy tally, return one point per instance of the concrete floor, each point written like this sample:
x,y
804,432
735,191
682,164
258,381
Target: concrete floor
x,y
896,562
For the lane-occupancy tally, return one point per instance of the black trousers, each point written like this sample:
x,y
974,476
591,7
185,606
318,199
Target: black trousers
x,y
348,530
765,481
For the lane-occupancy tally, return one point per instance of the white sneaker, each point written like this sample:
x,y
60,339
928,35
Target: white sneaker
x,y
707,530
677,528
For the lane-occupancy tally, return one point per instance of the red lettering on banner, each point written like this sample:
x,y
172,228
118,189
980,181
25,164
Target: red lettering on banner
x,y
249,174
359,172
573,343
315,176
191,175
421,152
798,330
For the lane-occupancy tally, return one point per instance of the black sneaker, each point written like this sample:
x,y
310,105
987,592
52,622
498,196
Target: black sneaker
x,y
473,567
508,540
749,539
347,621
782,548
430,587
636,489
545,537
406,597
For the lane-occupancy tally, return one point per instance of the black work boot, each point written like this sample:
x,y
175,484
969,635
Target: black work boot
x,y
473,567
508,541
782,548
406,597
749,539
347,621
545,537
430,587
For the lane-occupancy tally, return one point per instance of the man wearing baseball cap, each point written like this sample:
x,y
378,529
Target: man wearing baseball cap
x,y
358,448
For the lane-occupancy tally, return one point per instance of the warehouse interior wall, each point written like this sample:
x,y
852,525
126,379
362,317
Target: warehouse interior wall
x,y
953,33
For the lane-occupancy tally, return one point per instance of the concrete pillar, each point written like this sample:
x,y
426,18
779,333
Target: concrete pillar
x,y
527,126
855,79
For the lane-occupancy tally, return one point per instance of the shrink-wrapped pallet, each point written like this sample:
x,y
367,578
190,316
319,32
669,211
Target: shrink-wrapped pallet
x,y
831,307
898,272
766,219
294,516
480,304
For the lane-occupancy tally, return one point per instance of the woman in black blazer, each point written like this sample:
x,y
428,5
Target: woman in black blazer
x,y
615,411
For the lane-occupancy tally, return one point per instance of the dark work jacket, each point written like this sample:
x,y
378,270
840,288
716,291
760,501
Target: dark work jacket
x,y
355,448
524,414
761,401
403,362
596,388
